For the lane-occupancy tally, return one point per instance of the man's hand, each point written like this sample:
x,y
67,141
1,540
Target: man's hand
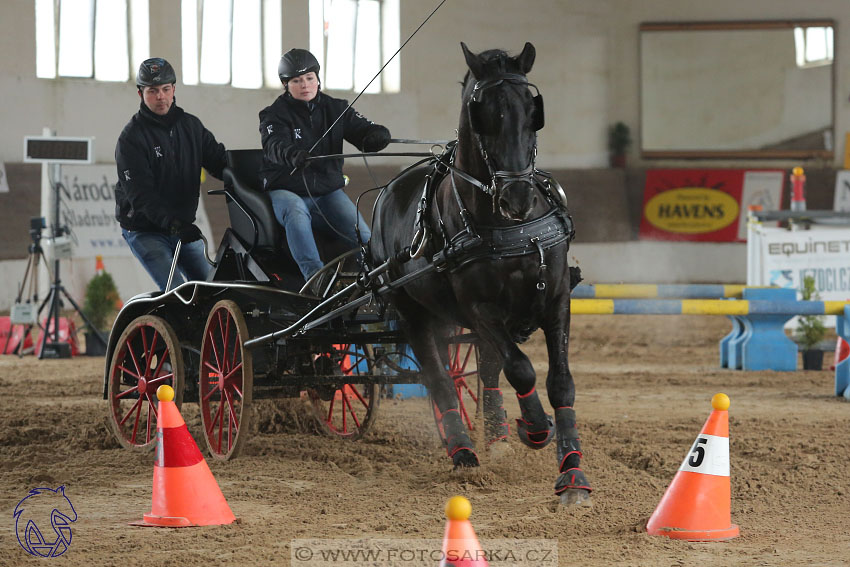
x,y
187,233
376,141
299,158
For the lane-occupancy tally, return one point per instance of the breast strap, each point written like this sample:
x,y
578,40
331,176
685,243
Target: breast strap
x,y
553,228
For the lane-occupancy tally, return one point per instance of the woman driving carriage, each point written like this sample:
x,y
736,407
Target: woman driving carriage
x,y
307,195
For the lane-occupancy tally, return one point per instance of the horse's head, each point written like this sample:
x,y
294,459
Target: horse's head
x,y
502,115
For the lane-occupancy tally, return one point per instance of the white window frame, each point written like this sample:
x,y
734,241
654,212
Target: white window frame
x,y
93,51
349,63
805,40
230,44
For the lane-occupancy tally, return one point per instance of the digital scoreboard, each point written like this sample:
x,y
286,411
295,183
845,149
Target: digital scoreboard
x,y
55,149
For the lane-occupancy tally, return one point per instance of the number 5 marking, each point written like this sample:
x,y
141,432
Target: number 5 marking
x,y
698,453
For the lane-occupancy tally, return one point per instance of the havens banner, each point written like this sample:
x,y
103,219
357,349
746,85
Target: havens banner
x,y
705,204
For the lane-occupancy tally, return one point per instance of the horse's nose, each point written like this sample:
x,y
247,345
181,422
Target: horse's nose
x,y
517,203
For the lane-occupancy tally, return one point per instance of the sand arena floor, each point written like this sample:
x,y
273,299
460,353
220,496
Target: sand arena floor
x,y
644,386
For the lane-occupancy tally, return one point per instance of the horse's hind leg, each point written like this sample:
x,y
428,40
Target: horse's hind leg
x,y
495,418
535,428
572,485
425,346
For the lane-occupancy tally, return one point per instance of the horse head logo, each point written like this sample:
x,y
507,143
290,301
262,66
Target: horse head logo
x,y
37,506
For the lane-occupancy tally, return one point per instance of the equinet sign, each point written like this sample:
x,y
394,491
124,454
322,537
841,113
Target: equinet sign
x,y
810,246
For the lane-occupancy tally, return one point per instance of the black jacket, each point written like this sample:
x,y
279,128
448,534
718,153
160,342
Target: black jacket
x,y
289,125
159,161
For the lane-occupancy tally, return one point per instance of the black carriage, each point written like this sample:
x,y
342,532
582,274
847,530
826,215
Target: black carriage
x,y
256,330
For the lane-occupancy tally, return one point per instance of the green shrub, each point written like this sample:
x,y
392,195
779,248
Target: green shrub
x,y
619,138
101,298
810,330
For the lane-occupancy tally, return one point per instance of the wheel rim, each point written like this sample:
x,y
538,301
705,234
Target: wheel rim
x,y
225,380
146,356
348,412
463,370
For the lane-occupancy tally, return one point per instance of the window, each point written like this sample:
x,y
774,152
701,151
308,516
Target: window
x,y
231,42
814,46
102,40
352,39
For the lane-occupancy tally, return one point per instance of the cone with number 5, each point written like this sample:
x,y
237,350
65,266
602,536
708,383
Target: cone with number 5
x,y
696,506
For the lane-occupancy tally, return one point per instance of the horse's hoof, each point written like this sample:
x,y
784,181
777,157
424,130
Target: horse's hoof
x,y
536,439
576,497
465,458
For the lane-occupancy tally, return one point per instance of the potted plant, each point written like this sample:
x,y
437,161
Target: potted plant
x,y
101,299
810,330
619,140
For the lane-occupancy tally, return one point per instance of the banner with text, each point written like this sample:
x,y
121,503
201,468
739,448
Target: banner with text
x,y
87,198
782,258
707,205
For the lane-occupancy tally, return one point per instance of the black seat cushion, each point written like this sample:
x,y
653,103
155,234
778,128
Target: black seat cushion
x,y
242,178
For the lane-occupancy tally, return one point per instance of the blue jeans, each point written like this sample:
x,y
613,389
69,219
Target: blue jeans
x,y
156,252
300,215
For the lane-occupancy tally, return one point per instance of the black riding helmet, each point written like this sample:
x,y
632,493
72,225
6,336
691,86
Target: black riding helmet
x,y
155,71
296,62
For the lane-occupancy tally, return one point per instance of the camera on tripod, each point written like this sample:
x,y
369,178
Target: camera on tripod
x,y
37,224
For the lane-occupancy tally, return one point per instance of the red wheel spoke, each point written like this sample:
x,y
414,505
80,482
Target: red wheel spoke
x,y
353,413
329,418
231,419
127,392
162,378
230,374
136,422
145,350
128,371
211,392
358,395
462,385
151,352
211,335
161,361
135,405
133,357
213,420
225,340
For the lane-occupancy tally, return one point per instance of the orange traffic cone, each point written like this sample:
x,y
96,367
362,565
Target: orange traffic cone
x,y
696,506
460,546
185,492
98,264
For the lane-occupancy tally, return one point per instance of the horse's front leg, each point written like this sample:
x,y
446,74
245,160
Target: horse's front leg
x,y
535,428
572,485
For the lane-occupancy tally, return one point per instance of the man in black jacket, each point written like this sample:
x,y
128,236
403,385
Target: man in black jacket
x,y
159,156
312,197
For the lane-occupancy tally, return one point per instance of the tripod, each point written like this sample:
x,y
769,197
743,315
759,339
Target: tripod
x,y
56,349
24,312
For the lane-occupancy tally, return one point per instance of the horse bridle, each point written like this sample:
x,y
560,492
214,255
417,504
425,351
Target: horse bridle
x,y
500,179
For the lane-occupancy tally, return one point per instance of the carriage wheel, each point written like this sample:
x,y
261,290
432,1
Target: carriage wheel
x,y
225,380
463,370
146,356
348,412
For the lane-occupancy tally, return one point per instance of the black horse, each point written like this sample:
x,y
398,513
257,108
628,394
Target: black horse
x,y
498,232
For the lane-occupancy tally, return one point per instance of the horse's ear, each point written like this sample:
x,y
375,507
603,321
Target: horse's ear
x,y
526,58
472,61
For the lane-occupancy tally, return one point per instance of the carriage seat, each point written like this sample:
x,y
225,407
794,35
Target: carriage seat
x,y
250,206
